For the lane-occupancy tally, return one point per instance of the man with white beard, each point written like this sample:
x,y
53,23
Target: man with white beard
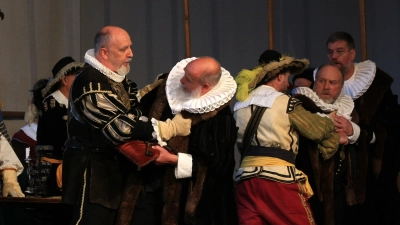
x,y
201,192
104,113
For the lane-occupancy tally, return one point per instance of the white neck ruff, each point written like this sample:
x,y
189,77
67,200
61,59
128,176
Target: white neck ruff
x,y
343,105
361,80
90,59
263,96
218,96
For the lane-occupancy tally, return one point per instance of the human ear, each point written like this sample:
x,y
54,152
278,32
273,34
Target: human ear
x,y
103,53
353,54
206,86
64,80
280,77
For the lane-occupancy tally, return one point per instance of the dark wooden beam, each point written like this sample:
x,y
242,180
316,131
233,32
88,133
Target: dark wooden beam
x,y
13,115
271,39
363,31
188,50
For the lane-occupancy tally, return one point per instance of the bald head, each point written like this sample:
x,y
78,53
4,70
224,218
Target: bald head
x,y
105,36
206,69
113,49
328,84
201,74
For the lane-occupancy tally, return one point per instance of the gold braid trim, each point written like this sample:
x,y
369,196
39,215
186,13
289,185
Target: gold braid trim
x,y
92,91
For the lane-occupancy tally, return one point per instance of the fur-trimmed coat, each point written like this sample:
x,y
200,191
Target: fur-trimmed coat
x,y
321,172
208,196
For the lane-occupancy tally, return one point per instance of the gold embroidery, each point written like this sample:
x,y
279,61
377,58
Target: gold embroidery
x,y
45,107
121,93
92,91
52,103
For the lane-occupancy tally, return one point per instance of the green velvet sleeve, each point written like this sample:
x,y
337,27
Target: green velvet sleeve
x,y
316,128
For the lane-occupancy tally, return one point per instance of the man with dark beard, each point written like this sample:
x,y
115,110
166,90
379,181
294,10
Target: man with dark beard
x,y
104,112
202,191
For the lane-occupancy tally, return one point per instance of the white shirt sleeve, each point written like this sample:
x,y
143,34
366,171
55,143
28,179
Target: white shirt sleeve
x,y
184,167
356,133
8,158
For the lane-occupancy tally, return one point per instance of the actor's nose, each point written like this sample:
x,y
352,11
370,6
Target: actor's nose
x,y
334,56
130,53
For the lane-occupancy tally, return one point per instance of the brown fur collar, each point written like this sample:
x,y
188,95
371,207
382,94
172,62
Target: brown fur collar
x,y
370,100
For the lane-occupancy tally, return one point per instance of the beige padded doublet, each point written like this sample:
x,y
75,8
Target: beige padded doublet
x,y
274,129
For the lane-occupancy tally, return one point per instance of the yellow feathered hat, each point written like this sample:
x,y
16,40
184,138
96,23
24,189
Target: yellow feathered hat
x,y
271,63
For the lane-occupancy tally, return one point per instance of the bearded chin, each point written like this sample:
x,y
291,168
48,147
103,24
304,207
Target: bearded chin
x,y
329,100
124,70
196,93
185,95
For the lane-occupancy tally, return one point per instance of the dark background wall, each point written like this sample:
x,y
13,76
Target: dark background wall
x,y
236,31
35,34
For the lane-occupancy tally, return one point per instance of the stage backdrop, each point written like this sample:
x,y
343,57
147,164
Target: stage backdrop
x,y
35,34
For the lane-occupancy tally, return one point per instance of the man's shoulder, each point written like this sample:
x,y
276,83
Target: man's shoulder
x,y
51,104
284,99
380,84
90,80
50,100
292,102
214,115
90,74
224,110
382,77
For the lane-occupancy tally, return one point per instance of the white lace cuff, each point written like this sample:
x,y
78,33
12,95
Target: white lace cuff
x,y
156,133
356,133
184,167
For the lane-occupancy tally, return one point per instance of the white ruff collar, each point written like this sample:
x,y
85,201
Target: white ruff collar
x,y
263,96
359,82
89,58
343,105
219,95
60,98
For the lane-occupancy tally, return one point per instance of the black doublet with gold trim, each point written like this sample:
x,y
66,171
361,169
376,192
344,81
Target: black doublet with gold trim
x,y
110,116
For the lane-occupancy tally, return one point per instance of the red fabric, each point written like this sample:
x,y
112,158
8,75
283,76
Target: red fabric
x,y
135,151
261,201
23,138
